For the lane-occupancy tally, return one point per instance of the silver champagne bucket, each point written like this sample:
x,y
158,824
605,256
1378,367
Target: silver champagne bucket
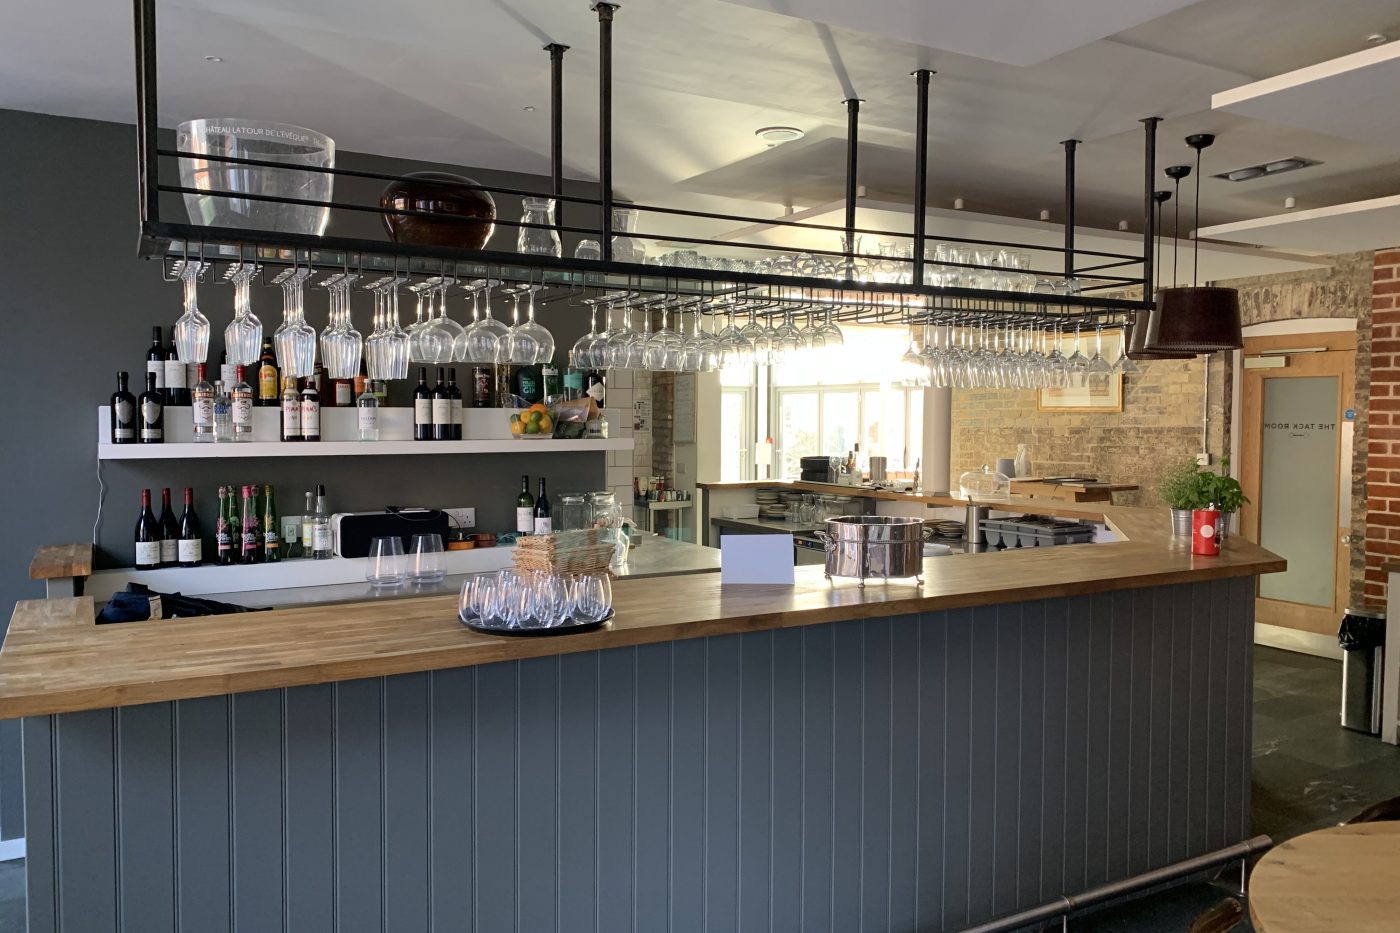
x,y
881,546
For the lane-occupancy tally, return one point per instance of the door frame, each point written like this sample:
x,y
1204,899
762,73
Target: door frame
x,y
1338,349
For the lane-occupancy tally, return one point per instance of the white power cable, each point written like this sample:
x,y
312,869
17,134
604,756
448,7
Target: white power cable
x,y
101,494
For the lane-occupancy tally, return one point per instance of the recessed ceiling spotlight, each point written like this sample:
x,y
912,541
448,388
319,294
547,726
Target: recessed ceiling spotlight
x,y
1377,38
1274,167
773,135
528,109
213,59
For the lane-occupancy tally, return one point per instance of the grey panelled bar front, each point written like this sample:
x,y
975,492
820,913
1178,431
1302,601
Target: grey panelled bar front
x,y
922,772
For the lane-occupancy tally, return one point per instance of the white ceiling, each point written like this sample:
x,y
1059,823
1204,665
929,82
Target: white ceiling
x,y
447,80
1341,228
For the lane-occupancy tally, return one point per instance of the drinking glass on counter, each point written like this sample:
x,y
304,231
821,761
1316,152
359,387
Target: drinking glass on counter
x,y
386,562
590,596
426,560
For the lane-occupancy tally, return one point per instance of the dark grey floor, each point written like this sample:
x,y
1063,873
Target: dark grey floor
x,y
1308,773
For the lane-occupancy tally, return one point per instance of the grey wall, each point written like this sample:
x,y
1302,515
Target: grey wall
x,y
924,772
79,306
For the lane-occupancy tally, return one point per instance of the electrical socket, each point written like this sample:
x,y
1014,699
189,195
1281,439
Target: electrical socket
x,y
1202,459
462,518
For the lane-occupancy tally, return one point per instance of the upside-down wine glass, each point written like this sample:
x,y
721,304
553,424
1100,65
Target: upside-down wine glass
x,y
482,339
294,339
243,335
536,333
192,327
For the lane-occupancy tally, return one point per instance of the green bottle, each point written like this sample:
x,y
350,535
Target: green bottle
x,y
272,541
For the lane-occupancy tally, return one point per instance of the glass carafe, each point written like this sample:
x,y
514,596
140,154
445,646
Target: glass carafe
x,y
535,241
626,247
574,513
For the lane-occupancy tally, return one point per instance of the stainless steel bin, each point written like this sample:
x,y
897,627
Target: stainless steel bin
x,y
1362,636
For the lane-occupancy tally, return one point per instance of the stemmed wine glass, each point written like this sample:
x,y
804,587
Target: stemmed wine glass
x,y
581,353
1077,364
341,344
663,348
1125,364
1098,371
534,334
734,349
1057,368
482,339
447,334
420,321
192,327
243,336
629,345
294,339
516,346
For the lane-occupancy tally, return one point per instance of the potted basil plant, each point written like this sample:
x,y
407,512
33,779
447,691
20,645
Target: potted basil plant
x,y
1221,491
1179,489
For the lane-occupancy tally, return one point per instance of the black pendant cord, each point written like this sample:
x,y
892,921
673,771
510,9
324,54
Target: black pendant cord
x,y
1176,233
1196,230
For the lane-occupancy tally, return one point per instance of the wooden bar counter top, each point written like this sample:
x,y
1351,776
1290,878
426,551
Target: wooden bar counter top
x,y
55,659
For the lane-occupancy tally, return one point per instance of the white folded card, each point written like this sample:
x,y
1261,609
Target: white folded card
x,y
756,559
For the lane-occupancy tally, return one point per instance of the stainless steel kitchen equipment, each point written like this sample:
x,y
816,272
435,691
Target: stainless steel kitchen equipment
x,y
882,546
877,469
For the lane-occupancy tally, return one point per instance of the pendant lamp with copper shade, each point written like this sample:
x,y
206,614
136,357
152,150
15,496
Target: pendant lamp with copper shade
x,y
1136,327
1195,319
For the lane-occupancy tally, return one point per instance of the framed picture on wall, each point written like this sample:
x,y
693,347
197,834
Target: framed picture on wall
x,y
1103,395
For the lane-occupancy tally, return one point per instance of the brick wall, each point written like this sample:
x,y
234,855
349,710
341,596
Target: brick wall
x,y
1382,468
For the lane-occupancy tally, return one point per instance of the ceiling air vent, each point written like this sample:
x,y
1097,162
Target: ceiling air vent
x,y
1276,167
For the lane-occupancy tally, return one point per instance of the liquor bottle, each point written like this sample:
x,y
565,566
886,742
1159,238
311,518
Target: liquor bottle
x,y
147,529
543,515
528,384
344,394
361,379
272,539
482,378
573,385
291,411
223,414
155,360
442,410
226,375
177,390
223,530
553,385
202,404
525,508
422,408
268,396
241,398
318,377
595,385
310,412
308,526
123,413
454,394
151,407
190,547
367,416
321,546
169,532
250,547
505,384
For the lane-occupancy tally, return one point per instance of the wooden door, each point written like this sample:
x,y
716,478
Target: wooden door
x,y
1295,469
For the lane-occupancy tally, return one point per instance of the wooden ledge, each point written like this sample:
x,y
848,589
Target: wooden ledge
x,y
56,561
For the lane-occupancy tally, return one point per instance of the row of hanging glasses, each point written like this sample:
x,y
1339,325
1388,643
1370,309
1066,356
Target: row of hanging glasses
x,y
1008,357
787,331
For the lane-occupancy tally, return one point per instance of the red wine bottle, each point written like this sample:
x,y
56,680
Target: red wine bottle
x,y
151,413
169,532
147,535
422,408
123,413
190,546
155,361
441,409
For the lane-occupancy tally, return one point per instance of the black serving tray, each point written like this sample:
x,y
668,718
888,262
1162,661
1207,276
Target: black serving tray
x,y
568,628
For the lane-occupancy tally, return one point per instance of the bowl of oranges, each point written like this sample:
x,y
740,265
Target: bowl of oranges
x,y
533,423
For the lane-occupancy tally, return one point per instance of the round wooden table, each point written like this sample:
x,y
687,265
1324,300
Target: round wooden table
x,y
1346,878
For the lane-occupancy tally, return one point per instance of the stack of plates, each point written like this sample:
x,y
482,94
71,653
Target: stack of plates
x,y
946,529
770,504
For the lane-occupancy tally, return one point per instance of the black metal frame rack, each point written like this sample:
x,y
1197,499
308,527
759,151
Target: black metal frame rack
x,y
849,299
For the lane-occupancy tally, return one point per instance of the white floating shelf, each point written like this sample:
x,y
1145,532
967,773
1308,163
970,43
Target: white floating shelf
x,y
192,451
1340,228
487,429
1351,97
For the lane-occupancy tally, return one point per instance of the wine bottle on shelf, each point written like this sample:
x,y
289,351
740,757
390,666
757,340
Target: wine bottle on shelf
x,y
177,390
272,539
291,411
361,379
596,386
310,412
169,532
190,546
344,394
147,531
241,398
223,530
123,413
226,375
543,516
367,416
454,394
442,410
525,508
223,414
318,377
308,526
155,360
202,406
422,408
268,396
151,407
482,379
250,546
322,547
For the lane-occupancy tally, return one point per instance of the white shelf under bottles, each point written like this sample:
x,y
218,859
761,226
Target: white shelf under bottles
x,y
487,431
